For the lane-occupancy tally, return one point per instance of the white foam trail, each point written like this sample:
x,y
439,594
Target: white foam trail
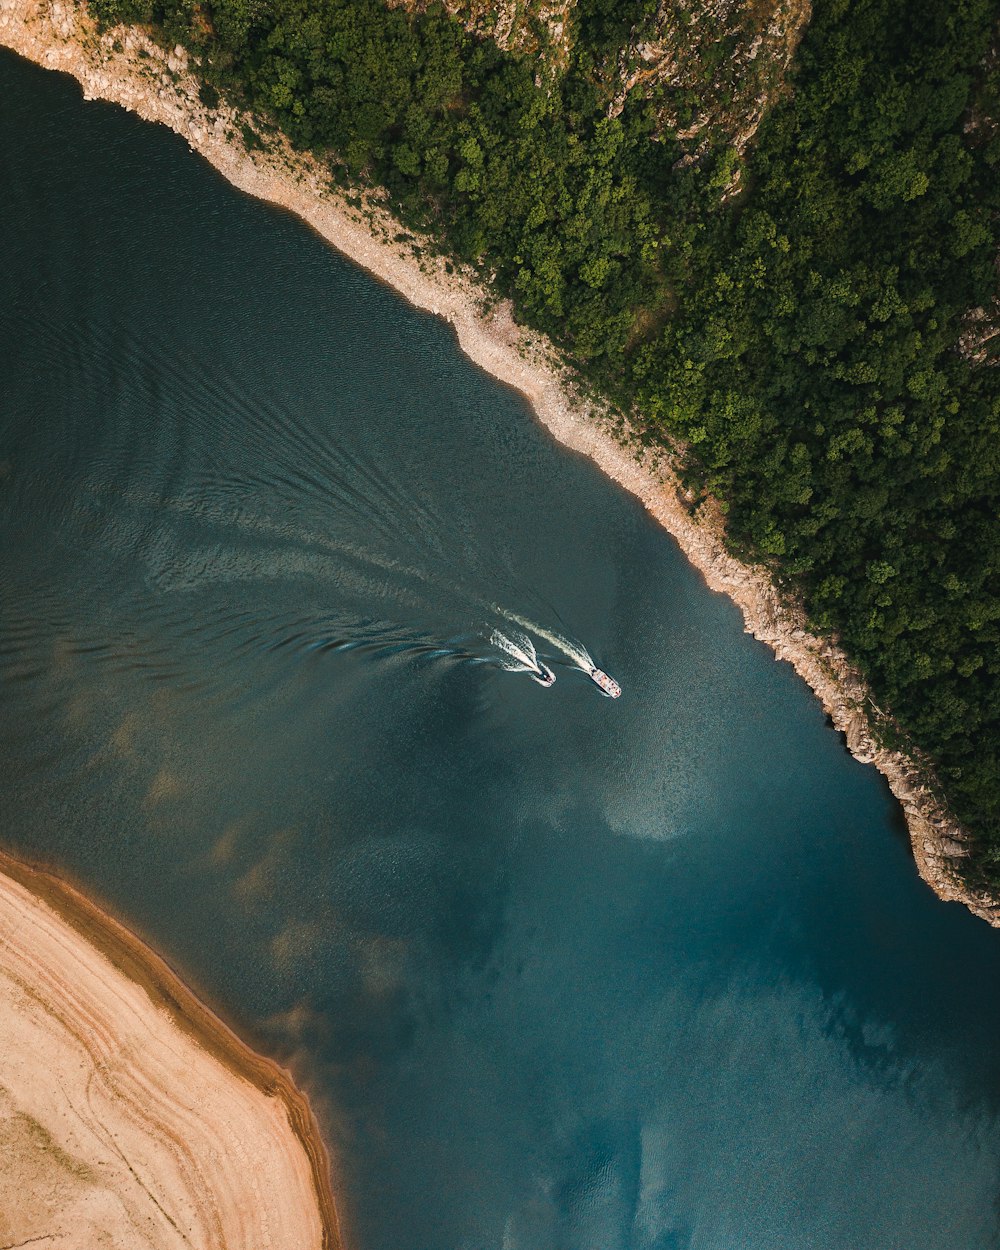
x,y
520,648
575,650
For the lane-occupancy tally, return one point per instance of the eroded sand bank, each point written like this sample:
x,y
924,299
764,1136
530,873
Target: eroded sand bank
x,y
158,87
130,1117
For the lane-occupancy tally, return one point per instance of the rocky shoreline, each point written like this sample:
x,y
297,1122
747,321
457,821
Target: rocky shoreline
x,y
125,67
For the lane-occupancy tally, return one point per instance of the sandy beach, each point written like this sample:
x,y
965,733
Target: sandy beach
x,y
130,1117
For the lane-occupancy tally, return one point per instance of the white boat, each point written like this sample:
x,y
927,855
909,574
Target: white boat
x,y
608,684
544,676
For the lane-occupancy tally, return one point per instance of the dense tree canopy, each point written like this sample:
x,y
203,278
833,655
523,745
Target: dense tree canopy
x,y
800,336
815,371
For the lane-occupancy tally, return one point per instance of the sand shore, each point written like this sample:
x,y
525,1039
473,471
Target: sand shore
x,y
130,1117
158,87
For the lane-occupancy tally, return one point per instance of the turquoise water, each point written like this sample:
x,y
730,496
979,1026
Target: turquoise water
x,y
559,973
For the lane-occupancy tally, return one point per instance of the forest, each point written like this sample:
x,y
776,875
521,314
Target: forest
x,y
798,317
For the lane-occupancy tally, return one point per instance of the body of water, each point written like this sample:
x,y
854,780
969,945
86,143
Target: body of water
x,y
558,972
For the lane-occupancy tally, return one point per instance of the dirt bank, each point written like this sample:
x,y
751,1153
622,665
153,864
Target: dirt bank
x,y
130,1116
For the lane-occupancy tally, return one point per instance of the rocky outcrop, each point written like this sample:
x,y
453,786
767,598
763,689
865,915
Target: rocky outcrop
x,y
539,28
979,341
673,51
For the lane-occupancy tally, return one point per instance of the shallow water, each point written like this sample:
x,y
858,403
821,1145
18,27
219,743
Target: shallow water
x,y
560,973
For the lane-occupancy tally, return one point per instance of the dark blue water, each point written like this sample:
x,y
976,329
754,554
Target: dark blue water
x,y
560,973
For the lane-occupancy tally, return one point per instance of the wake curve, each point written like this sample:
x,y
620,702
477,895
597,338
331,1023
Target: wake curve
x,y
575,651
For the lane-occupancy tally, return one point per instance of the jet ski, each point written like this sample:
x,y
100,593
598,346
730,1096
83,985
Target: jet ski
x,y
605,683
544,676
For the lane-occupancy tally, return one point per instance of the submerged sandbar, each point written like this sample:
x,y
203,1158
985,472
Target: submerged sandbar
x,y
130,1116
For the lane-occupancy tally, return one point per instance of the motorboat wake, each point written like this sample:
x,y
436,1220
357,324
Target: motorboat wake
x,y
520,657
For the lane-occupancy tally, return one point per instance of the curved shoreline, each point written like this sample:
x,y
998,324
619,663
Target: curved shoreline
x,y
157,86
113,1010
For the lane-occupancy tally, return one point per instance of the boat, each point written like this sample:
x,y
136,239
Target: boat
x,y
544,675
605,683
